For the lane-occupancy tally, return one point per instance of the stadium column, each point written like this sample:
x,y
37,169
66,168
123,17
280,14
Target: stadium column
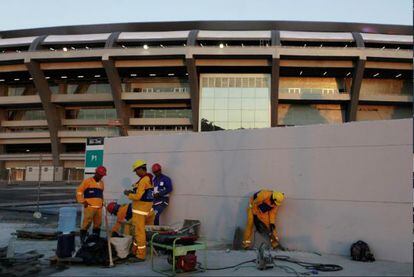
x,y
274,84
3,116
358,75
51,110
194,90
274,91
193,80
116,85
116,89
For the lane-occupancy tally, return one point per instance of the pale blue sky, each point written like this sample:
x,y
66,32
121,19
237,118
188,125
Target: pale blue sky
x,y
22,14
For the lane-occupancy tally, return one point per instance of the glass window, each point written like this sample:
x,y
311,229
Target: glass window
x,y
234,101
165,113
34,115
16,90
97,114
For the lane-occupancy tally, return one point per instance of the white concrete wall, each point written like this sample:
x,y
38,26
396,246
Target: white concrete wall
x,y
343,182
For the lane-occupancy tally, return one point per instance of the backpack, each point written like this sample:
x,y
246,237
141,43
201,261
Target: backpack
x,y
94,251
360,252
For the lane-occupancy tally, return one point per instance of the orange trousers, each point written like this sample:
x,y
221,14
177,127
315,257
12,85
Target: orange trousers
x,y
139,221
92,215
248,232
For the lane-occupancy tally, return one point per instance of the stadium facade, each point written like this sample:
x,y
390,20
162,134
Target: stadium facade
x,y
62,85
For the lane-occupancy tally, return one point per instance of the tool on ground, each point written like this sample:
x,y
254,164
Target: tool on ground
x,y
264,258
108,237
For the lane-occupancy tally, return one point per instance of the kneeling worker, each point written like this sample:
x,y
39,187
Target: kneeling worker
x,y
142,197
262,211
90,194
123,215
162,189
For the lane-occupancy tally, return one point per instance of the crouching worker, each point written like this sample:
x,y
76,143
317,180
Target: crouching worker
x,y
123,215
90,194
142,213
262,212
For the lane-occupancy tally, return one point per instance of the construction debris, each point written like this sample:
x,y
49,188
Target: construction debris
x,y
35,233
21,264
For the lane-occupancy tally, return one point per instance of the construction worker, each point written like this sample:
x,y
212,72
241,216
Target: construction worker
x,y
162,188
90,194
123,215
262,211
142,214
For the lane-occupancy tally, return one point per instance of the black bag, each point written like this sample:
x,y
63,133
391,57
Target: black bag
x,y
65,245
94,251
360,252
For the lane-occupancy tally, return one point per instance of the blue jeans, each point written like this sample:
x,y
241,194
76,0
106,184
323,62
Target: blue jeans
x,y
158,210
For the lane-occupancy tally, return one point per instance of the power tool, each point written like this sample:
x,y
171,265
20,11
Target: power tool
x,y
264,258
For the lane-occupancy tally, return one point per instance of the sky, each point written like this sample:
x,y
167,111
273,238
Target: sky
x,y
22,14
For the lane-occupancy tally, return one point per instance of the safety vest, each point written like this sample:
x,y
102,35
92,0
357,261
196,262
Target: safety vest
x,y
262,201
91,192
142,196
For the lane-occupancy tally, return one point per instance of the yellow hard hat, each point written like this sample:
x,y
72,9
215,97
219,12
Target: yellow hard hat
x,y
278,197
138,163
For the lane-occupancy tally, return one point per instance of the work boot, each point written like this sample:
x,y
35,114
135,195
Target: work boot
x,y
83,234
97,232
135,260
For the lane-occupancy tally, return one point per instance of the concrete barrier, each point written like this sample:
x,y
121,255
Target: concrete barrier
x,y
343,183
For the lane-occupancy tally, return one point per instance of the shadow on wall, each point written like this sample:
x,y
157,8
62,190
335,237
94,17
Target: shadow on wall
x,y
303,115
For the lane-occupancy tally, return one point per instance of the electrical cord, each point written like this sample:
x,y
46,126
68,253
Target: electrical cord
x,y
309,266
287,269
227,267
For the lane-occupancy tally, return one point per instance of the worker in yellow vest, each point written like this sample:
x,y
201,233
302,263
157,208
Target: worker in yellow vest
x,y
262,212
90,194
142,214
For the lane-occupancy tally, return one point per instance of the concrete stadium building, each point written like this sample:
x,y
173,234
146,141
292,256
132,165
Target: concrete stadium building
x,y
61,85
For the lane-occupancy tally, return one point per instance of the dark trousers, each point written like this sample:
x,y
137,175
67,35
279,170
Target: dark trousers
x,y
158,210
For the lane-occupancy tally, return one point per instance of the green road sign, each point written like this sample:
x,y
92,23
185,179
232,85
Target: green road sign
x,y
94,158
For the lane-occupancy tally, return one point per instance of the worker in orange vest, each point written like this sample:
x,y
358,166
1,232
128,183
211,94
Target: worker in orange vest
x,y
123,215
90,194
262,212
142,212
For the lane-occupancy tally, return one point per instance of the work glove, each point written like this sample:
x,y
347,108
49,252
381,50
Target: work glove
x,y
127,192
85,204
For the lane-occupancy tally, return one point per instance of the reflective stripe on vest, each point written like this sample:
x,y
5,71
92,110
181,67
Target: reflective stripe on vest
x,y
139,212
141,247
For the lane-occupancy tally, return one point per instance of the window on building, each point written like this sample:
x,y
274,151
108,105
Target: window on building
x,y
34,115
164,113
96,114
234,101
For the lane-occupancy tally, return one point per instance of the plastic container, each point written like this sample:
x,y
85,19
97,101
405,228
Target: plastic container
x,y
67,220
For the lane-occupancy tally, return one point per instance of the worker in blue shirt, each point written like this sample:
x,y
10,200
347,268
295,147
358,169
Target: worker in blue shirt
x,y
162,189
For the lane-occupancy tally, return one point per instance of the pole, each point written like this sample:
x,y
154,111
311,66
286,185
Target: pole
x,y
38,214
108,236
